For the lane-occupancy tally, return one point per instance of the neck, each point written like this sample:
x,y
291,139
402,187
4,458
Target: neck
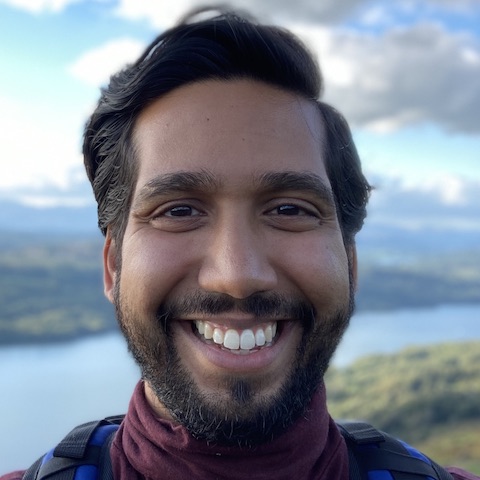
x,y
157,448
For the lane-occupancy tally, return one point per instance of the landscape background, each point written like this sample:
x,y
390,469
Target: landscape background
x,y
415,251
417,286
405,74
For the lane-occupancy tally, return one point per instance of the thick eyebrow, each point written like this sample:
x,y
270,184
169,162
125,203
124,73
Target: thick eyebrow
x,y
176,182
203,181
297,181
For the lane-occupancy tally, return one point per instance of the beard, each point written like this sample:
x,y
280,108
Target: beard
x,y
242,417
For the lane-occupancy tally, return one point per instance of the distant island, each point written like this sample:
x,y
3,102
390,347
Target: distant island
x,y
51,286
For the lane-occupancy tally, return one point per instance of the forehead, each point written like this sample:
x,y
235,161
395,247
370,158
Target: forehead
x,y
234,129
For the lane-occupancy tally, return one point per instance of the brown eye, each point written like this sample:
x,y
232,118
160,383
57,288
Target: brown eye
x,y
288,210
292,210
181,211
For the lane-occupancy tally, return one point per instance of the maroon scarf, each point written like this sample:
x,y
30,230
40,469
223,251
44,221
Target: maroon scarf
x,y
149,447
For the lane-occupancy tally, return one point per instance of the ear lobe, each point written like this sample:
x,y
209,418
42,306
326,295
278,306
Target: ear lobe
x,y
109,266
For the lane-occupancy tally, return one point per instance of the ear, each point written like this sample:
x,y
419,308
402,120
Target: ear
x,y
353,264
109,266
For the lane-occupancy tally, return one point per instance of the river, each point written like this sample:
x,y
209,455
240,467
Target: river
x,y
47,390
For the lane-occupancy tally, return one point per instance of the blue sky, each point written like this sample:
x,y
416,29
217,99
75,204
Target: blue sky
x,y
404,72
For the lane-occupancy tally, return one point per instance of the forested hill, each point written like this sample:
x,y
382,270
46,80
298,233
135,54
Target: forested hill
x,y
51,287
429,397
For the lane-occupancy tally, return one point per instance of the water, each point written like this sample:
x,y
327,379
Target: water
x,y
45,391
386,332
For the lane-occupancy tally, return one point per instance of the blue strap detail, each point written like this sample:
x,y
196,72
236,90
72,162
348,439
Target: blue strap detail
x,y
98,438
101,434
86,472
47,456
379,475
415,453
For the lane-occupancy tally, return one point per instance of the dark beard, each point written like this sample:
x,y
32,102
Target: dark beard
x,y
246,419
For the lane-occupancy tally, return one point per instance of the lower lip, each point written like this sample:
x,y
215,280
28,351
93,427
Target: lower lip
x,y
235,362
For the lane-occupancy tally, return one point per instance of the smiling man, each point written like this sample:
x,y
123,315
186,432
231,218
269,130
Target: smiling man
x,y
231,281
229,196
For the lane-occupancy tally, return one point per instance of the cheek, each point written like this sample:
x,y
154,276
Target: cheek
x,y
320,271
151,269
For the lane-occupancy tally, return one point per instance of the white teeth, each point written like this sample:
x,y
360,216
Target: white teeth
x,y
269,334
247,340
231,340
218,336
207,330
243,340
260,337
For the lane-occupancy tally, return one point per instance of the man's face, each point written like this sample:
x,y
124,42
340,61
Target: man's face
x,y
232,285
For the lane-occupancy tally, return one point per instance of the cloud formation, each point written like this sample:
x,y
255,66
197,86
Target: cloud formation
x,y
326,12
388,66
165,14
383,75
95,66
408,75
162,14
449,203
31,151
39,6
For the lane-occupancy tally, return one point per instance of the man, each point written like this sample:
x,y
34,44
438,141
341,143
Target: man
x,y
230,197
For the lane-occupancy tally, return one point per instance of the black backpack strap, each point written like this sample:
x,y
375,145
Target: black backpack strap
x,y
32,472
87,444
105,471
371,450
357,433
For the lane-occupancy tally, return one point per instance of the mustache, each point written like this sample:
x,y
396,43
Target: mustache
x,y
265,306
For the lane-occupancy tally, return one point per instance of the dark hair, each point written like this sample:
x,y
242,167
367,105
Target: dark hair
x,y
226,46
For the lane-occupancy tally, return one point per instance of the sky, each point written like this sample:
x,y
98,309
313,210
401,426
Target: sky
x,y
405,73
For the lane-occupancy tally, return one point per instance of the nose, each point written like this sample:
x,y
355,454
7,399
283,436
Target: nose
x,y
236,262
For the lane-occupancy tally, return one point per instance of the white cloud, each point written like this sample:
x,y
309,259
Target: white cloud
x,y
159,14
448,202
95,66
383,81
165,14
39,6
36,149
377,15
422,73
408,75
45,200
448,190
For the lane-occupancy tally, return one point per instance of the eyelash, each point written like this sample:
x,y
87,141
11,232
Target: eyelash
x,y
179,208
292,207
281,213
285,207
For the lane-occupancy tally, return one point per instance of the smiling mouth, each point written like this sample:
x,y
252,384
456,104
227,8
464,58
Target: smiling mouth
x,y
237,341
